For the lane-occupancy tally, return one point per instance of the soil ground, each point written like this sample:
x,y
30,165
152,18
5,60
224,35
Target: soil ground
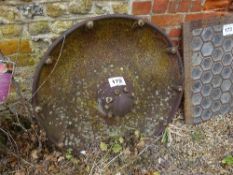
x,y
183,149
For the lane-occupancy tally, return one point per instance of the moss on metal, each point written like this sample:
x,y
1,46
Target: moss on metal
x,y
113,47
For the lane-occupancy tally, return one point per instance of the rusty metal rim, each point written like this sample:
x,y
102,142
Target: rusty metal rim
x,y
114,16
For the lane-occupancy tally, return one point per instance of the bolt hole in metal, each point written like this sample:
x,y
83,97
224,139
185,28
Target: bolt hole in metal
x,y
78,98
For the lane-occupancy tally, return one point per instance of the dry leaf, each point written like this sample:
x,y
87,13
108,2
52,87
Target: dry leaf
x,y
20,172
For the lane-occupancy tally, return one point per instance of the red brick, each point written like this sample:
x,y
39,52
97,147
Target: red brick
x,y
175,32
160,6
8,47
203,16
173,6
184,6
217,5
167,20
198,16
196,6
141,8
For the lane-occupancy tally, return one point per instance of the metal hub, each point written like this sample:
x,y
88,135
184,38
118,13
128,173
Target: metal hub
x,y
116,100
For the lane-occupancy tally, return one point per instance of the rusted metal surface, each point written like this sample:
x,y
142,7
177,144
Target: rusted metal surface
x,y
74,74
208,66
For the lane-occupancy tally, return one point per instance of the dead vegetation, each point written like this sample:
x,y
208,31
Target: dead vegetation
x,y
203,149
182,149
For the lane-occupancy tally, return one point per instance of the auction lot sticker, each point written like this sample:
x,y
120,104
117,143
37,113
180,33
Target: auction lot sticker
x,y
6,73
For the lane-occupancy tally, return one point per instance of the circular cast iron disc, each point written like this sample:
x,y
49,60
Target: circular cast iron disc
x,y
73,95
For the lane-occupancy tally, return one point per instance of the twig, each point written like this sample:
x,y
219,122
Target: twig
x,y
59,56
177,128
93,166
112,160
139,154
27,107
177,133
10,138
102,160
20,158
8,151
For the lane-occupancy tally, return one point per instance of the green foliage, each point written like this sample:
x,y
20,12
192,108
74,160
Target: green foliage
x,y
121,140
69,154
197,135
165,137
137,133
116,148
228,160
115,145
103,146
156,173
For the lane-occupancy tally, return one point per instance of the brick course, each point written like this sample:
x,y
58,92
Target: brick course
x,y
184,6
160,6
141,8
196,6
167,19
175,32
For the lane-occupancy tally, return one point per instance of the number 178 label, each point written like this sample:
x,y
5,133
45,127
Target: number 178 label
x,y
116,81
